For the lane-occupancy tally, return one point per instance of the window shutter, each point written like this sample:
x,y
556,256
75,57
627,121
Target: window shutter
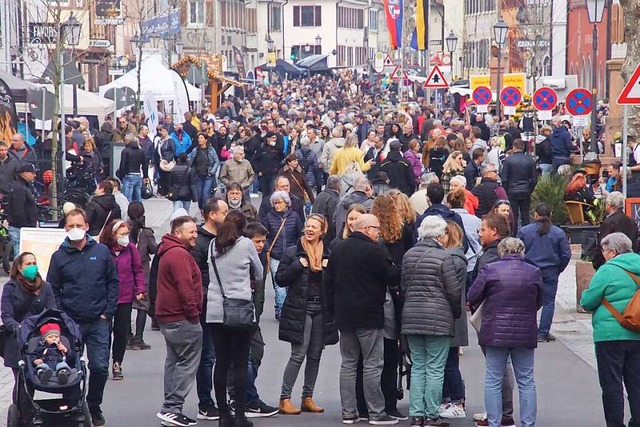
x,y
296,16
318,16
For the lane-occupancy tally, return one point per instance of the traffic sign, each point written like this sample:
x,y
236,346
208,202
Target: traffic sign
x,y
578,102
396,72
388,62
630,94
436,79
482,95
545,99
510,96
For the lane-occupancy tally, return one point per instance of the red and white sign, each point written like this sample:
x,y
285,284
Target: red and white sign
x,y
630,95
436,79
388,62
395,75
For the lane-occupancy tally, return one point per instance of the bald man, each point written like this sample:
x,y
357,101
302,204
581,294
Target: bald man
x,y
356,300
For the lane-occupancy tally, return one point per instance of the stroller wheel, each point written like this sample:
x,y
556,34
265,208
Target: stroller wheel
x,y
87,416
13,416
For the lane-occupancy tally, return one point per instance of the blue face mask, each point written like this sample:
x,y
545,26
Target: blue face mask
x,y
30,272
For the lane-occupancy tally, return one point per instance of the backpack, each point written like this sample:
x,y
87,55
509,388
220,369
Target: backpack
x,y
304,161
630,317
353,167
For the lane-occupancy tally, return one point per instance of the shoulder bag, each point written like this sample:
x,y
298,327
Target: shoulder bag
x,y
237,313
273,243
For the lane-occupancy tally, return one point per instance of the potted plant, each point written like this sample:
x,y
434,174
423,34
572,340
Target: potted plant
x,y
550,190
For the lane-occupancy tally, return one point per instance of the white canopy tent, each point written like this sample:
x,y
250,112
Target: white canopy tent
x,y
89,103
155,78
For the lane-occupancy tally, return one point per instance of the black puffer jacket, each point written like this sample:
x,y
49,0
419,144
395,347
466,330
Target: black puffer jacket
x,y
296,277
325,204
519,175
182,183
22,209
430,290
98,210
400,172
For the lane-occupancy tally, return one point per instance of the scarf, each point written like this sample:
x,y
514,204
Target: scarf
x,y
28,286
314,252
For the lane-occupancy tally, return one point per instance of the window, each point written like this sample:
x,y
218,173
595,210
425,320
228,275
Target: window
x,y
276,17
196,12
373,20
251,25
307,16
223,15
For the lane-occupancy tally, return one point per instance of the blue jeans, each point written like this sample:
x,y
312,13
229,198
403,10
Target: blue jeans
x,y
204,376
14,233
429,354
132,187
177,204
549,289
453,386
545,168
96,336
280,293
203,188
522,360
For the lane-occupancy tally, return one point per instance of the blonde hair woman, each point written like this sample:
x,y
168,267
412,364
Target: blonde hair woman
x,y
453,390
453,166
349,158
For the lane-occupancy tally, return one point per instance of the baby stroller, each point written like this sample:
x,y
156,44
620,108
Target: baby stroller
x,y
69,411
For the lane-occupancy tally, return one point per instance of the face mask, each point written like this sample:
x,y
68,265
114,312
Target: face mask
x,y
123,241
30,272
76,234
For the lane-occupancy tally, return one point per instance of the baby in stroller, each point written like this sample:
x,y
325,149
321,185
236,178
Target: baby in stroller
x,y
50,356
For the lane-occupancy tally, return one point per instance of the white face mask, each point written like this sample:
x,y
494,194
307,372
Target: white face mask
x,y
123,241
76,234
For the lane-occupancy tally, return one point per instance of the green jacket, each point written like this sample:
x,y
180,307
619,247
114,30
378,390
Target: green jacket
x,y
612,282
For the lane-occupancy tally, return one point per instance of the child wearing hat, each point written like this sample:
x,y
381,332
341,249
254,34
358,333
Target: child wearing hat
x,y
51,355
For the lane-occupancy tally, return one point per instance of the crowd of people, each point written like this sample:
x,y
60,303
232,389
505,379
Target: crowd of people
x,y
378,230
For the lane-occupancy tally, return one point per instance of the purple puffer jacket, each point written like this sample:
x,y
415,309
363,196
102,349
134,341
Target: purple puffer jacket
x,y
130,274
512,293
415,163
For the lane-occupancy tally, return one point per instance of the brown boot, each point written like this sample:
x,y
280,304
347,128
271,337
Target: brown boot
x,y
287,408
308,405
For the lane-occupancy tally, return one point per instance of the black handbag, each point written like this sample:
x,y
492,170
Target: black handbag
x,y
147,190
237,313
4,334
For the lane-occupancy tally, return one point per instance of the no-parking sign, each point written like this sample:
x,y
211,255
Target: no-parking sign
x,y
482,95
510,96
578,102
545,99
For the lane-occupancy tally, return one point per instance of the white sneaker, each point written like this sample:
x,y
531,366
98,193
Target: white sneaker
x,y
480,417
453,411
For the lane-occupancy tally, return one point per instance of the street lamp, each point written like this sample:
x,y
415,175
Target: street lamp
x,y
72,29
500,30
595,9
318,40
269,43
452,43
179,47
208,44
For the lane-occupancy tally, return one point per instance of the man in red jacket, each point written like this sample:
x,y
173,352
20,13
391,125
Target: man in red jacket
x,y
178,306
